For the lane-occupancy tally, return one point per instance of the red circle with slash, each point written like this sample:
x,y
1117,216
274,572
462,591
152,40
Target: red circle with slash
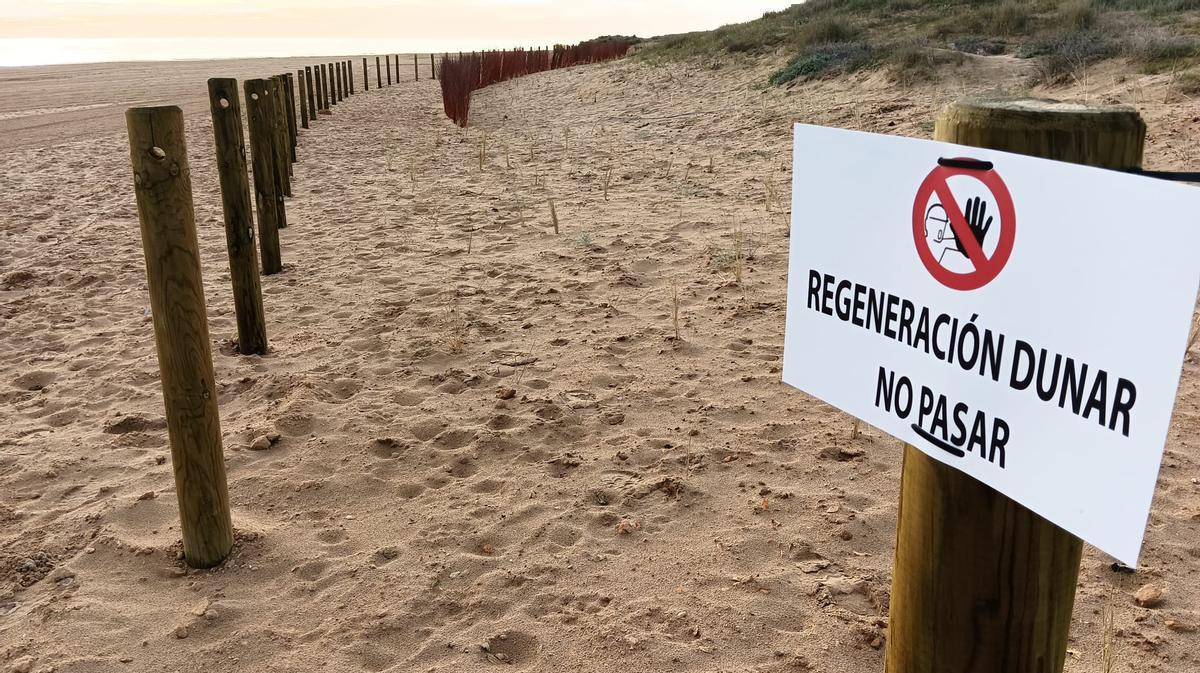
x,y
986,268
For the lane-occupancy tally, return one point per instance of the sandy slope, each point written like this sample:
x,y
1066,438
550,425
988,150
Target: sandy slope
x,y
489,435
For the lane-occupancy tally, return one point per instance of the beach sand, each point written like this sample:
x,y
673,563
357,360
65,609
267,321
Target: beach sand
x,y
494,451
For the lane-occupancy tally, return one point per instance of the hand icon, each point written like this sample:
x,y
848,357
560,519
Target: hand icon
x,y
975,212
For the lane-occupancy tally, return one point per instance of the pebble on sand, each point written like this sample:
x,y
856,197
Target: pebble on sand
x,y
264,442
1149,596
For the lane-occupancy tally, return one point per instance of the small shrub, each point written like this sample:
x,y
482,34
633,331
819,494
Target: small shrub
x,y
826,30
914,63
961,22
1077,15
1061,56
979,45
1188,84
1008,18
825,60
1158,50
1152,6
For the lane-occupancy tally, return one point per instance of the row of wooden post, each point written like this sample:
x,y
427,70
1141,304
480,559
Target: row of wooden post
x,y
276,109
162,180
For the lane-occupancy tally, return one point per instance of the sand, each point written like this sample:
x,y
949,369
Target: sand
x,y
494,452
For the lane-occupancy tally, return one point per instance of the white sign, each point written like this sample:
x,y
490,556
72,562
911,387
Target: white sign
x,y
1022,320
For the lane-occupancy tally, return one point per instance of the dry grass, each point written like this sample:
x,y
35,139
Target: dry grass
x,y
1108,637
771,189
675,308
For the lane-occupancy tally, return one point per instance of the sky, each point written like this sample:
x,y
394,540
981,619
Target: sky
x,y
34,32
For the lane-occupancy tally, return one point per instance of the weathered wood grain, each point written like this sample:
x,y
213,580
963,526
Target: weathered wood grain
x,y
163,186
981,584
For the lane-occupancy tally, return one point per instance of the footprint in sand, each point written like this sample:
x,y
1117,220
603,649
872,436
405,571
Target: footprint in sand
x,y
511,648
333,535
35,380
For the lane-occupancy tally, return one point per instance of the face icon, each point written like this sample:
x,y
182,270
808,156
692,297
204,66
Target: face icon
x,y
939,235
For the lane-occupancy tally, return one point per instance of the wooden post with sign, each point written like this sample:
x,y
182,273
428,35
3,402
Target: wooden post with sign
x,y
163,187
239,222
981,583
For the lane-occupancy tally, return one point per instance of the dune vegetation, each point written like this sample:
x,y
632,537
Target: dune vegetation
x,y
912,39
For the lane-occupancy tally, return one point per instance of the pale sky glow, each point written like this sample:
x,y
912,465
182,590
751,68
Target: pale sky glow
x,y
64,31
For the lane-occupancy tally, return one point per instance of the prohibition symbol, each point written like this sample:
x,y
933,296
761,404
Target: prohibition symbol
x,y
964,246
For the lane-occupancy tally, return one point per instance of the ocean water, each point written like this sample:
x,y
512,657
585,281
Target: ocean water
x,y
52,50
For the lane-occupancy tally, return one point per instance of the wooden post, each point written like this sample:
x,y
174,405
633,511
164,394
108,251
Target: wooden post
x,y
333,79
322,85
982,584
378,75
387,60
324,88
312,94
318,103
277,148
268,202
275,98
432,68
366,80
325,97
239,222
416,69
303,99
350,75
290,105
163,185
341,68
396,59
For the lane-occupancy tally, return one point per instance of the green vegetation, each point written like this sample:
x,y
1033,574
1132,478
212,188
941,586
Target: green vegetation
x,y
913,39
826,59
